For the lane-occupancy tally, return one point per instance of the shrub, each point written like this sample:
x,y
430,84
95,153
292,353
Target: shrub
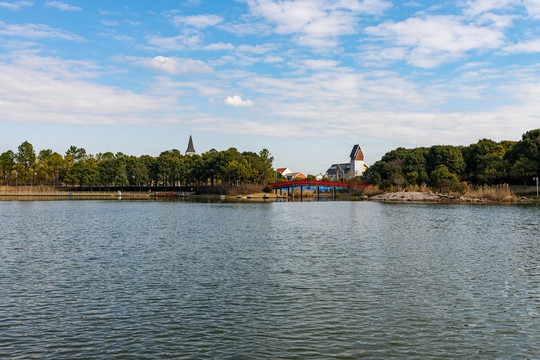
x,y
267,189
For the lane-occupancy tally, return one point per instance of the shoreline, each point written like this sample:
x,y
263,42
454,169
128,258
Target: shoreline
x,y
392,197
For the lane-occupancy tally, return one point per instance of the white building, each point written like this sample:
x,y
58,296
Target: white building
x,y
355,167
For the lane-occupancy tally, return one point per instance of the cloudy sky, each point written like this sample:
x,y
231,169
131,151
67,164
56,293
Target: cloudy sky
x,y
306,79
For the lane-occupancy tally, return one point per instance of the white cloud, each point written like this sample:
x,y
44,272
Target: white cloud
x,y
52,90
248,27
533,8
219,46
382,105
16,44
62,6
110,22
175,66
237,101
165,85
378,55
412,4
176,43
119,37
192,3
273,59
36,31
316,23
321,64
527,47
30,61
17,5
256,49
166,64
477,7
496,21
198,21
437,39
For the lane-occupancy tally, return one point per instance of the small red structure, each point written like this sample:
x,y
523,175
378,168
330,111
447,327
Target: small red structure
x,y
286,184
290,185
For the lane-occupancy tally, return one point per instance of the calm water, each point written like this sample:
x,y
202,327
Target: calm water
x,y
154,280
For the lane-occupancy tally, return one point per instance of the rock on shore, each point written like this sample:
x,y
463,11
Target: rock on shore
x,y
421,196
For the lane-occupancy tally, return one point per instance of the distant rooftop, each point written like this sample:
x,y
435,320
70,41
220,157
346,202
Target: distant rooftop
x,y
190,149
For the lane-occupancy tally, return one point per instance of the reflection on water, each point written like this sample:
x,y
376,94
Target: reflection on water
x,y
103,279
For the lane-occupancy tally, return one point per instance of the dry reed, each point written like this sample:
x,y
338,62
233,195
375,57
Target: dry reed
x,y
370,190
418,188
244,189
27,189
501,193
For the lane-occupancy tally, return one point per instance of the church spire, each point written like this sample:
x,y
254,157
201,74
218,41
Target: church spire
x,y
190,149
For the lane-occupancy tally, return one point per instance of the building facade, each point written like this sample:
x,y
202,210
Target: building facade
x,y
355,167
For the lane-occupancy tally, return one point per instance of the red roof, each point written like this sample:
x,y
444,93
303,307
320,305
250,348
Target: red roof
x,y
281,170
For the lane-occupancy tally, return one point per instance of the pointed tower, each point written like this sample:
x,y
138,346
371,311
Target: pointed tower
x,y
190,149
357,161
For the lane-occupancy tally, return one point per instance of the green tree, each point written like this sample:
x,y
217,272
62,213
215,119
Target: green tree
x,y
165,165
55,166
26,162
210,161
244,170
415,166
227,165
485,161
527,148
449,156
121,173
377,173
43,165
136,171
442,176
524,169
84,172
196,171
107,168
75,154
151,165
7,165
395,169
266,167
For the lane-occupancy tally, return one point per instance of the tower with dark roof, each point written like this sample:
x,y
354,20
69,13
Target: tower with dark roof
x,y
190,149
357,161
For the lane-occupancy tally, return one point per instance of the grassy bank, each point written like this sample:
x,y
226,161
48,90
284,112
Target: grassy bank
x,y
499,193
28,192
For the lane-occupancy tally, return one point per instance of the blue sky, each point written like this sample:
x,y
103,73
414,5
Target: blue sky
x,y
305,79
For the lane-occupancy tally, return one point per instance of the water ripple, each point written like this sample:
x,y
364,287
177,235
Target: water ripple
x,y
344,280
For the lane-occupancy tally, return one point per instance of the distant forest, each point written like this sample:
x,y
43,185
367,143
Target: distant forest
x,y
170,168
485,163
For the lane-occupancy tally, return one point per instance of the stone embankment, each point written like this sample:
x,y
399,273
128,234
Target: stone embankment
x,y
422,196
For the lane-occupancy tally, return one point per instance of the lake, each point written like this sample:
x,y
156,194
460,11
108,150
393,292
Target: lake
x,y
291,280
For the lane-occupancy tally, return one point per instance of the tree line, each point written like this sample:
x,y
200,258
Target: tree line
x,y
170,168
486,162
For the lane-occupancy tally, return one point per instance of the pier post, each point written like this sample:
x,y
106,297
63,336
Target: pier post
x,y
301,192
